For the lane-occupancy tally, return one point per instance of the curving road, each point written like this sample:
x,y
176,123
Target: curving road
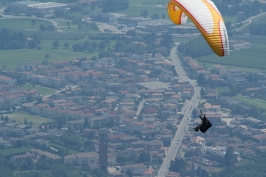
x,y
13,16
187,110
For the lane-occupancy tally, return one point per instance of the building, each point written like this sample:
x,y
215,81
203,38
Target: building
x,y
155,25
7,80
35,7
75,125
86,158
134,168
103,150
216,153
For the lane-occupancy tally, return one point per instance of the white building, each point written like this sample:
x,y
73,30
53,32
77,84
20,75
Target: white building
x,y
111,159
87,158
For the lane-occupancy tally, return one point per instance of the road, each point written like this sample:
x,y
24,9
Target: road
x,y
140,107
248,21
187,109
13,16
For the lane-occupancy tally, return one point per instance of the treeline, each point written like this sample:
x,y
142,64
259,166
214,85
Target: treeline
x,y
196,47
114,5
10,40
258,29
129,43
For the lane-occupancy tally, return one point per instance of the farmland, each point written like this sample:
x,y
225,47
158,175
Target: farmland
x,y
253,57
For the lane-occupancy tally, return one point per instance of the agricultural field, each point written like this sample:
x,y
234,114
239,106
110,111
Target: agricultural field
x,y
137,6
253,57
11,58
136,10
21,116
40,89
22,23
252,101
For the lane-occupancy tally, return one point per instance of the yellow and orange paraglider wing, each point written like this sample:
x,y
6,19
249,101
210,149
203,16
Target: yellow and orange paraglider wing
x,y
205,15
177,15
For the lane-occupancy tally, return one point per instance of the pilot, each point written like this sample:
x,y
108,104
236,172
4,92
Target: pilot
x,y
204,125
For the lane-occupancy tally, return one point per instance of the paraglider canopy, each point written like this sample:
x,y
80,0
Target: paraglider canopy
x,y
207,18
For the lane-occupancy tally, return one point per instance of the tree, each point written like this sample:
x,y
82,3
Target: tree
x,y
19,143
2,118
129,173
94,45
32,44
144,13
26,122
178,165
45,62
101,45
201,80
86,123
47,55
56,44
230,157
33,21
66,44
42,27
144,157
6,118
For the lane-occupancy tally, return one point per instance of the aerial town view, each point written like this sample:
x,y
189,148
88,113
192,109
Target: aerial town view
x,y
132,88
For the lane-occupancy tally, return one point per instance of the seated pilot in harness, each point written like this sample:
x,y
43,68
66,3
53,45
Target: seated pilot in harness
x,y
204,125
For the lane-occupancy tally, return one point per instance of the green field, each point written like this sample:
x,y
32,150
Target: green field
x,y
57,146
22,23
253,57
250,101
151,9
63,22
13,150
229,19
20,117
137,6
222,89
40,89
149,2
11,58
